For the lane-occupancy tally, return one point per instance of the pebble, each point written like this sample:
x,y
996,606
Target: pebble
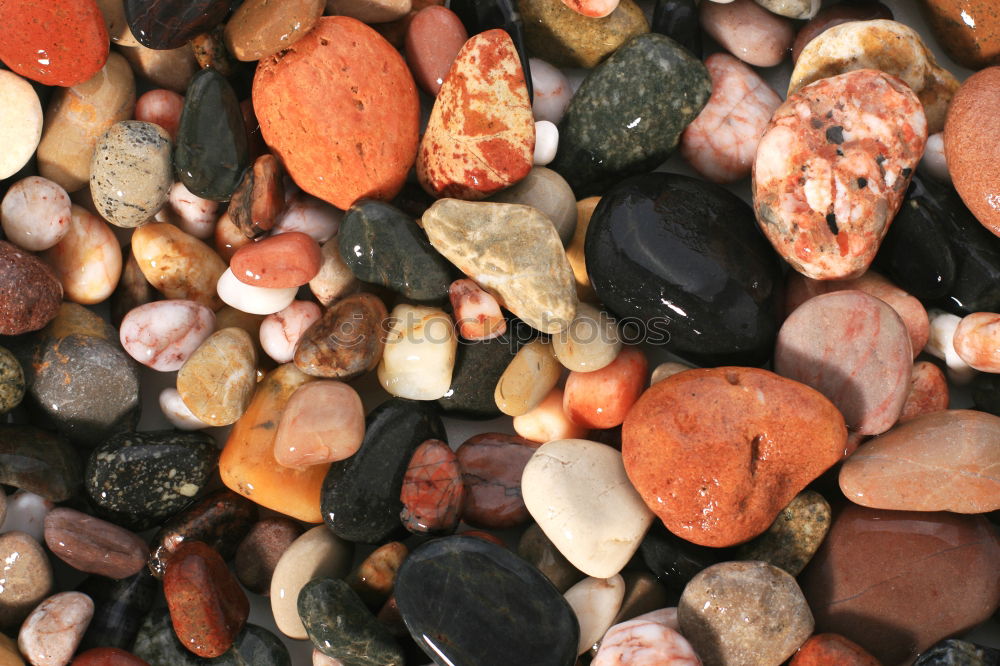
x,y
934,162
133,289
974,46
177,264
744,613
492,465
309,215
645,641
433,40
21,120
247,465
794,536
977,341
278,262
928,391
433,491
795,9
548,421
12,385
192,214
78,116
551,93
540,552
317,554
953,652
721,142
259,197
595,602
826,649
39,462
173,407
280,331
590,343
374,578
50,635
88,259
93,545
419,353
668,369
748,31
27,577
217,380
347,341
260,29
26,513
207,606
477,313
897,582
131,172
577,492
533,625
546,191
530,376
250,298
940,344
490,243
967,132
119,609
324,421
546,143
260,550
30,292
832,15
161,107
869,378
480,136
255,646
557,34
370,11
107,657
170,69
163,334
156,642
334,280
600,399
307,83
832,232
35,213
169,25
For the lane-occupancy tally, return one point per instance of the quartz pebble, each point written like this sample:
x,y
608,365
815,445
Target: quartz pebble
x,y
551,93
217,380
259,29
928,391
35,213
600,399
941,344
546,143
433,39
280,331
260,550
163,334
590,343
748,31
324,421
977,341
792,539
88,259
93,545
311,216
826,649
21,123
648,640
27,575
161,107
477,313
419,353
934,161
433,491
131,172
250,298
528,379
177,264
492,465
173,407
548,192
595,602
50,635
548,421
194,215
347,341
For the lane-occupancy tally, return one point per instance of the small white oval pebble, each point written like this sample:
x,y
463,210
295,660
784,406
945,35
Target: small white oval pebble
x,y
309,215
20,123
52,632
253,300
177,412
941,345
933,161
419,353
546,142
26,513
163,334
280,332
35,213
193,214
595,602
551,91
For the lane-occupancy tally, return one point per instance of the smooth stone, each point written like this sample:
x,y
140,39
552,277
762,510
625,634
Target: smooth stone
x,y
478,367
721,142
147,476
599,140
259,29
480,137
748,31
794,9
477,314
77,117
370,11
277,262
590,343
27,577
967,134
528,379
335,279
131,172
347,341
826,649
595,602
170,69
88,259
119,609
433,491
789,432
170,24
93,545
433,40
709,237
174,409
897,582
829,232
832,15
548,421
323,422
177,264
26,513
107,657
375,577
307,84
558,35
251,298
546,143
870,378
668,369
309,215
644,596
35,212
219,520
361,495
675,561
162,335
549,193
934,162
383,245
340,626
50,635
537,624
12,386
536,548
592,8
30,292
161,107
258,199
419,353
794,536
255,646
21,120
744,612
218,379
936,462
156,642
600,399
648,640
492,465
940,344
317,554
257,555
488,241
479,17
953,652
552,93
678,20
969,32
928,391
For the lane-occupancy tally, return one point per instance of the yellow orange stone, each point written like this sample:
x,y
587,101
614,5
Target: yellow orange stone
x,y
87,260
178,264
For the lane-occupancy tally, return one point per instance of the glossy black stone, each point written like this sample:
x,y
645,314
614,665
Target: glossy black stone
x,y
953,652
254,646
169,24
673,560
682,261
480,15
341,626
383,245
211,153
678,20
985,391
509,612
119,609
38,461
157,643
478,366
360,495
939,252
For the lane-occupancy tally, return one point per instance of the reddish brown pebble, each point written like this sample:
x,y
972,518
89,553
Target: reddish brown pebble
x,y
433,490
259,552
718,453
285,260
601,399
375,577
832,650
161,107
259,198
93,545
30,292
491,465
347,341
108,657
928,391
835,15
485,536
433,39
977,341
207,606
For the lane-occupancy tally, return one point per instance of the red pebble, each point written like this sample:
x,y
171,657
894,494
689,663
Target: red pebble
x,y
285,260
208,608
433,491
162,107
433,39
601,399
832,650
492,464
106,656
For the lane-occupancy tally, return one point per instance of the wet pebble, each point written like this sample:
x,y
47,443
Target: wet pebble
x,y
433,39
162,335
12,386
50,635
477,313
433,491
193,215
557,34
347,341
324,421
35,213
824,649
259,29
794,536
280,331
177,264
546,191
21,119
928,391
600,399
88,259
27,575
93,545
131,172
648,640
161,107
595,602
419,354
30,292
492,465
250,298
218,379
748,31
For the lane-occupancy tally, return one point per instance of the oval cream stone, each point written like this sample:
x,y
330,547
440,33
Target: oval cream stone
x,y
87,260
595,602
529,377
419,353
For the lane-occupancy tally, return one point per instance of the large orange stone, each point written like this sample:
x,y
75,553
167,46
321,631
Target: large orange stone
x,y
718,453
832,650
340,109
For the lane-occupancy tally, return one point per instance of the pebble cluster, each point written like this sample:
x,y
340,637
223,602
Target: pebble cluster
x,y
321,233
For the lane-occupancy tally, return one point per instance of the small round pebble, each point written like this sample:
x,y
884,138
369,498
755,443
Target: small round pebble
x,y
259,552
433,39
20,123
163,334
250,299
193,214
35,213
161,107
27,575
546,142
324,421
131,172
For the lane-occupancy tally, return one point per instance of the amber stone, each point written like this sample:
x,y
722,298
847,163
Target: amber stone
x,y
433,490
258,198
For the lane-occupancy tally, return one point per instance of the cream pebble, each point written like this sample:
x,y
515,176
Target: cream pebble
x,y
334,280
309,215
88,259
933,162
419,353
163,334
51,634
324,421
546,142
589,343
253,300
280,331
177,412
977,341
35,213
20,123
647,640
528,378
595,602
552,92
548,421
193,214
941,345
668,369
477,313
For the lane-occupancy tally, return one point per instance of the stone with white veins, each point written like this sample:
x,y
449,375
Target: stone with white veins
x,y
652,639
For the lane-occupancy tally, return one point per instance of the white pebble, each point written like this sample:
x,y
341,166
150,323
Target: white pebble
x,y
280,332
35,213
419,353
193,214
933,161
551,91
546,142
309,215
941,345
595,602
177,412
253,300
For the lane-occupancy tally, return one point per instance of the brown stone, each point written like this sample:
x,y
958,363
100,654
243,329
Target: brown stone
x,y
433,39
558,35
261,28
968,30
375,577
27,577
347,341
832,650
492,464
259,198
30,292
170,69
93,545
928,391
259,552
210,51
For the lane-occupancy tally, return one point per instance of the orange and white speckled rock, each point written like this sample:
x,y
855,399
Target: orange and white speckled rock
x,y
481,134
832,168
928,391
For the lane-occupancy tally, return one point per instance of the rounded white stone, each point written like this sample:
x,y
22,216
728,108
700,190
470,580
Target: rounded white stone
x,y
546,142
941,344
419,353
280,332
163,334
20,123
589,343
652,639
551,91
250,299
311,216
35,213
26,513
177,412
193,214
595,602
933,162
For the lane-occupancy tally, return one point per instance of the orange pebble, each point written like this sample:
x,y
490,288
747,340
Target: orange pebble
x,y
548,421
601,399
832,650
286,260
228,237
928,391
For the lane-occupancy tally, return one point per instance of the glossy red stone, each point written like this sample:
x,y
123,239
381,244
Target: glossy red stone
x,y
601,399
433,490
285,260
832,650
108,657
208,608
491,465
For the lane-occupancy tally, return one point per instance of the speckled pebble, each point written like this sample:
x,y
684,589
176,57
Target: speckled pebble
x,y
11,381
131,172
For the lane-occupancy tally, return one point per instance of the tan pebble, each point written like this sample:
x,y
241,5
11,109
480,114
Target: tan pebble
x,y
27,577
260,28
370,11
530,376
20,123
218,379
575,249
589,343
548,421
334,280
177,264
171,69
419,355
87,260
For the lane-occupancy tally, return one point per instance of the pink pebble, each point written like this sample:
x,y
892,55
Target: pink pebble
x,y
280,332
323,422
477,313
648,640
977,341
601,399
310,216
548,421
928,391
194,215
35,213
592,8
433,39
163,334
162,107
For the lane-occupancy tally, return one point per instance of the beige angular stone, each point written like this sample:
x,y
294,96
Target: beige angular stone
x,y
513,252
419,353
595,602
217,381
529,377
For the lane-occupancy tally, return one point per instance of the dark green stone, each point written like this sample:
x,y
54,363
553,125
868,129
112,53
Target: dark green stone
x,y
11,381
953,652
157,643
38,461
255,646
478,366
211,152
383,245
341,626
120,606
628,115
